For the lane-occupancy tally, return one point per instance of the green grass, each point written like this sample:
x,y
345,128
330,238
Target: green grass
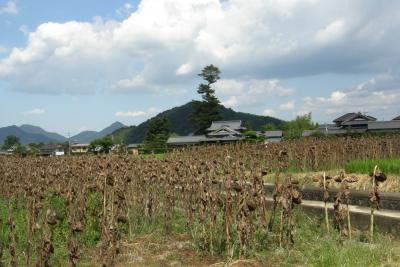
x,y
314,247
388,166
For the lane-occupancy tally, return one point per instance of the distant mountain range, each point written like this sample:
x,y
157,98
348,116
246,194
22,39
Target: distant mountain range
x,y
34,134
88,136
179,119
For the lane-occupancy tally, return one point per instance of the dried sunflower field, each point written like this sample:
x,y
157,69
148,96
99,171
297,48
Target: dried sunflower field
x,y
89,210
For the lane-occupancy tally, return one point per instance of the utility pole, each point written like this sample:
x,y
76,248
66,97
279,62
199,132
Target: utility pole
x,y
69,143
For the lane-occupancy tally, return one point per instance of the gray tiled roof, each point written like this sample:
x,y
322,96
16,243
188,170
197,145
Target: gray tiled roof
x,y
234,125
397,118
224,131
270,134
185,140
352,116
384,125
223,139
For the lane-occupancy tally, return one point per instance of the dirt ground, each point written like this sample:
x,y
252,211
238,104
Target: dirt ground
x,y
172,251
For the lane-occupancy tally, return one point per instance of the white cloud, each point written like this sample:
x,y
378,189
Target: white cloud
x,y
35,111
269,112
134,114
332,32
24,29
287,106
285,92
9,8
126,9
230,102
184,69
377,96
249,92
161,43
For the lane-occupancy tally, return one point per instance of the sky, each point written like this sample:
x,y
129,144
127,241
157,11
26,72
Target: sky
x,y
69,66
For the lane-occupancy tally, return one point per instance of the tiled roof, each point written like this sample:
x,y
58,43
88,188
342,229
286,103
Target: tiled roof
x,y
234,125
352,116
273,134
185,140
224,131
384,125
397,118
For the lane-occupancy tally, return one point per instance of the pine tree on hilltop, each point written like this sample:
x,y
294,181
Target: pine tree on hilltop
x,y
207,110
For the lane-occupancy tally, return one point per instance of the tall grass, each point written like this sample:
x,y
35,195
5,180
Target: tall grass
x,y
390,166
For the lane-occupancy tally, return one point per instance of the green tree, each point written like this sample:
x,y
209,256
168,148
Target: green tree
x,y
11,140
294,129
33,149
207,110
268,127
248,126
157,135
105,144
21,150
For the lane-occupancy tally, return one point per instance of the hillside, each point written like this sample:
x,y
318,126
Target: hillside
x,y
25,137
179,118
37,130
88,136
119,135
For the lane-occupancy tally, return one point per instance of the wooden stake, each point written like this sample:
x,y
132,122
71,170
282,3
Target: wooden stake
x,y
326,207
372,206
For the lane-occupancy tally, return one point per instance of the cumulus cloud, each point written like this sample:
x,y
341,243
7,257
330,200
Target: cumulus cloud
x,y
24,29
243,93
126,9
9,8
134,114
162,42
287,106
269,112
332,32
378,96
184,69
35,111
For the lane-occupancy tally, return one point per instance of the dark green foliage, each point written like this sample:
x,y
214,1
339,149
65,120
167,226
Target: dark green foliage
x,y
11,141
104,144
179,119
157,135
268,127
207,110
252,136
119,136
248,126
294,129
33,149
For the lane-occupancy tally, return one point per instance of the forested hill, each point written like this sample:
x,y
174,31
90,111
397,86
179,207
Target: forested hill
x,y
179,118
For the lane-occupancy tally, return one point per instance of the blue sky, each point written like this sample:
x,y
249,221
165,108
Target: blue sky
x,y
69,66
